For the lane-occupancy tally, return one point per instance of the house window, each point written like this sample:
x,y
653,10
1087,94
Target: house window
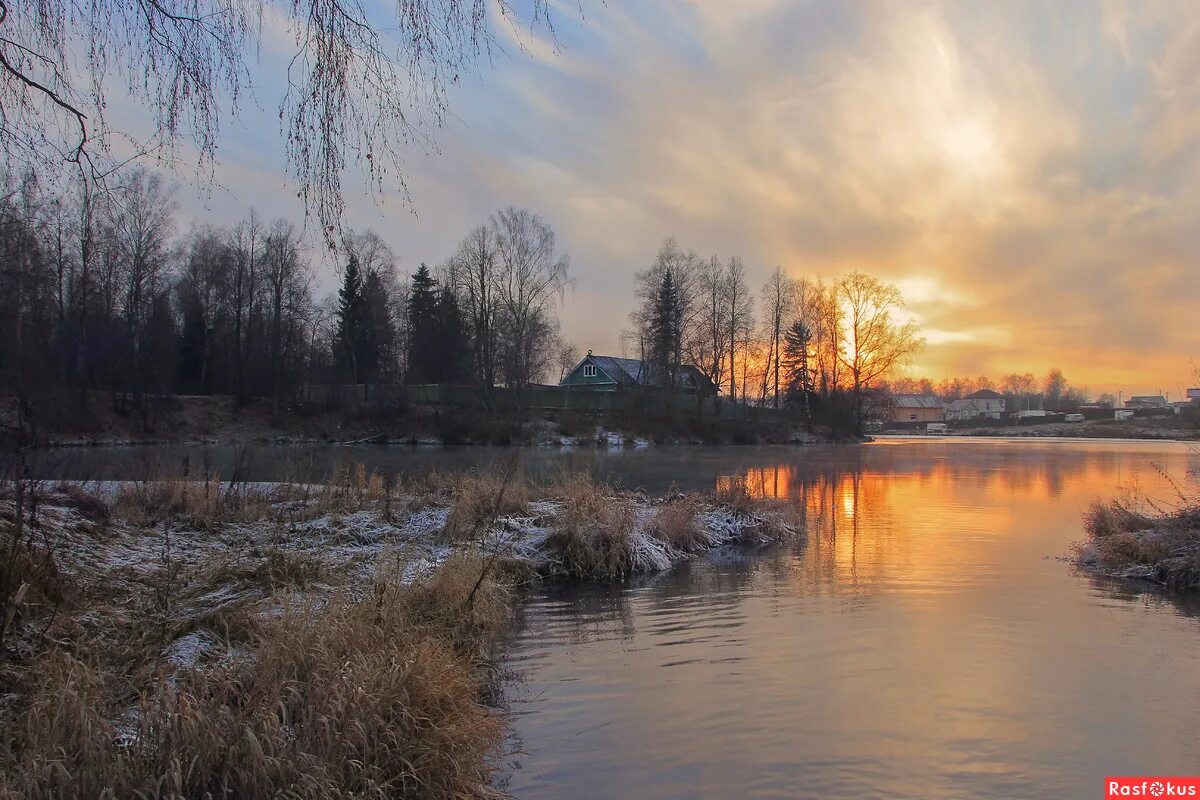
x,y
912,416
589,370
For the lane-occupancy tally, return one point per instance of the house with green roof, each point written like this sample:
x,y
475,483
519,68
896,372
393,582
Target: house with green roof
x,y
612,374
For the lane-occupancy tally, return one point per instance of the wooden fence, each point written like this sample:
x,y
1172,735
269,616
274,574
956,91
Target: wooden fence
x,y
531,398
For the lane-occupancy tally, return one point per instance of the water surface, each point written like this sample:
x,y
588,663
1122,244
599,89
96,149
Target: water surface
x,y
925,641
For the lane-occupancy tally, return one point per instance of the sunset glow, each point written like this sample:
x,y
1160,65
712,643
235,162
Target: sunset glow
x,y
1035,196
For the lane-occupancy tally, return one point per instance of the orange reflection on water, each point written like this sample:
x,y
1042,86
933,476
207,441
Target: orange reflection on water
x,y
773,482
920,526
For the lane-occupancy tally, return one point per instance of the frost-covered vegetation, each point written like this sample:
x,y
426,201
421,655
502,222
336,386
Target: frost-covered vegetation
x,y
1129,538
190,638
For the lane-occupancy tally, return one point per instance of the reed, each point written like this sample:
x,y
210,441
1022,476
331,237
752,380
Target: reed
x,y
369,697
593,537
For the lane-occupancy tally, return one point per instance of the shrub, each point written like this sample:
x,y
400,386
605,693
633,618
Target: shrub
x,y
593,536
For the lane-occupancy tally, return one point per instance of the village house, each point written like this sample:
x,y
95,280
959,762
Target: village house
x,y
612,374
984,404
917,409
1146,401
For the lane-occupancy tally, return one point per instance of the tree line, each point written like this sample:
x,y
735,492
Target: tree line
x,y
803,342
100,291
1022,391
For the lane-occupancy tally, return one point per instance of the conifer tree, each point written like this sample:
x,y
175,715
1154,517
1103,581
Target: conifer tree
x,y
424,330
350,322
796,352
665,334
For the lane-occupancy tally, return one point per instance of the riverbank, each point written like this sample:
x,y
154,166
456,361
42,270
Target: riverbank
x,y
331,640
220,420
1171,428
1126,540
1163,428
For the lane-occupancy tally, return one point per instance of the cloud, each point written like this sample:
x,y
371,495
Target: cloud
x,y
1028,174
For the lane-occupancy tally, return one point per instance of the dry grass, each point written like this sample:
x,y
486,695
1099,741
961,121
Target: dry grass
x,y
760,518
736,496
200,504
593,537
676,524
478,499
1102,520
209,502
90,506
374,697
31,582
1163,546
277,568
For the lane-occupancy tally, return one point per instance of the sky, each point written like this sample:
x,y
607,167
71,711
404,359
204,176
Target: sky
x,y
1027,173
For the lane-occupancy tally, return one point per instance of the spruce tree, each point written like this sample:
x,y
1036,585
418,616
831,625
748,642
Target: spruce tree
x,y
423,355
350,319
665,331
378,331
453,348
796,354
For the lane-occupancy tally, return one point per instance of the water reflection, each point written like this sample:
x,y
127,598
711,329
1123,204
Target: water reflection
x,y
922,641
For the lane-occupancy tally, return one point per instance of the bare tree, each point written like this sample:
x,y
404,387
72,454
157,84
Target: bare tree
x,y
874,341
141,221
359,89
532,278
246,246
568,357
823,314
289,284
683,267
473,272
707,349
740,319
778,299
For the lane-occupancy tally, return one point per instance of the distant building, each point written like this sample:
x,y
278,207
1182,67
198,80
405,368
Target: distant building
x,y
1146,401
917,408
984,404
612,374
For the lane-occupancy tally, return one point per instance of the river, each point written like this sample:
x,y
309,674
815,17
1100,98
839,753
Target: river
x,y
925,640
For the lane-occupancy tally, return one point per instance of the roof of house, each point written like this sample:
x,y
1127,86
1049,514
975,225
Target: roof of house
x,y
1147,398
634,372
621,370
917,401
969,404
984,394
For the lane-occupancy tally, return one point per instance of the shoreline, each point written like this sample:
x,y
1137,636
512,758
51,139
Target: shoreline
x,y
1090,436
1133,541
220,421
170,595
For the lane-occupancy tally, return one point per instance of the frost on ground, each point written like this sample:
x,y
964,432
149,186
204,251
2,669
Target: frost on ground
x,y
185,620
175,546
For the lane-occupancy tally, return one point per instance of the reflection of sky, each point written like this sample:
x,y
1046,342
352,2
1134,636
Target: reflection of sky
x,y
924,642
1027,171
